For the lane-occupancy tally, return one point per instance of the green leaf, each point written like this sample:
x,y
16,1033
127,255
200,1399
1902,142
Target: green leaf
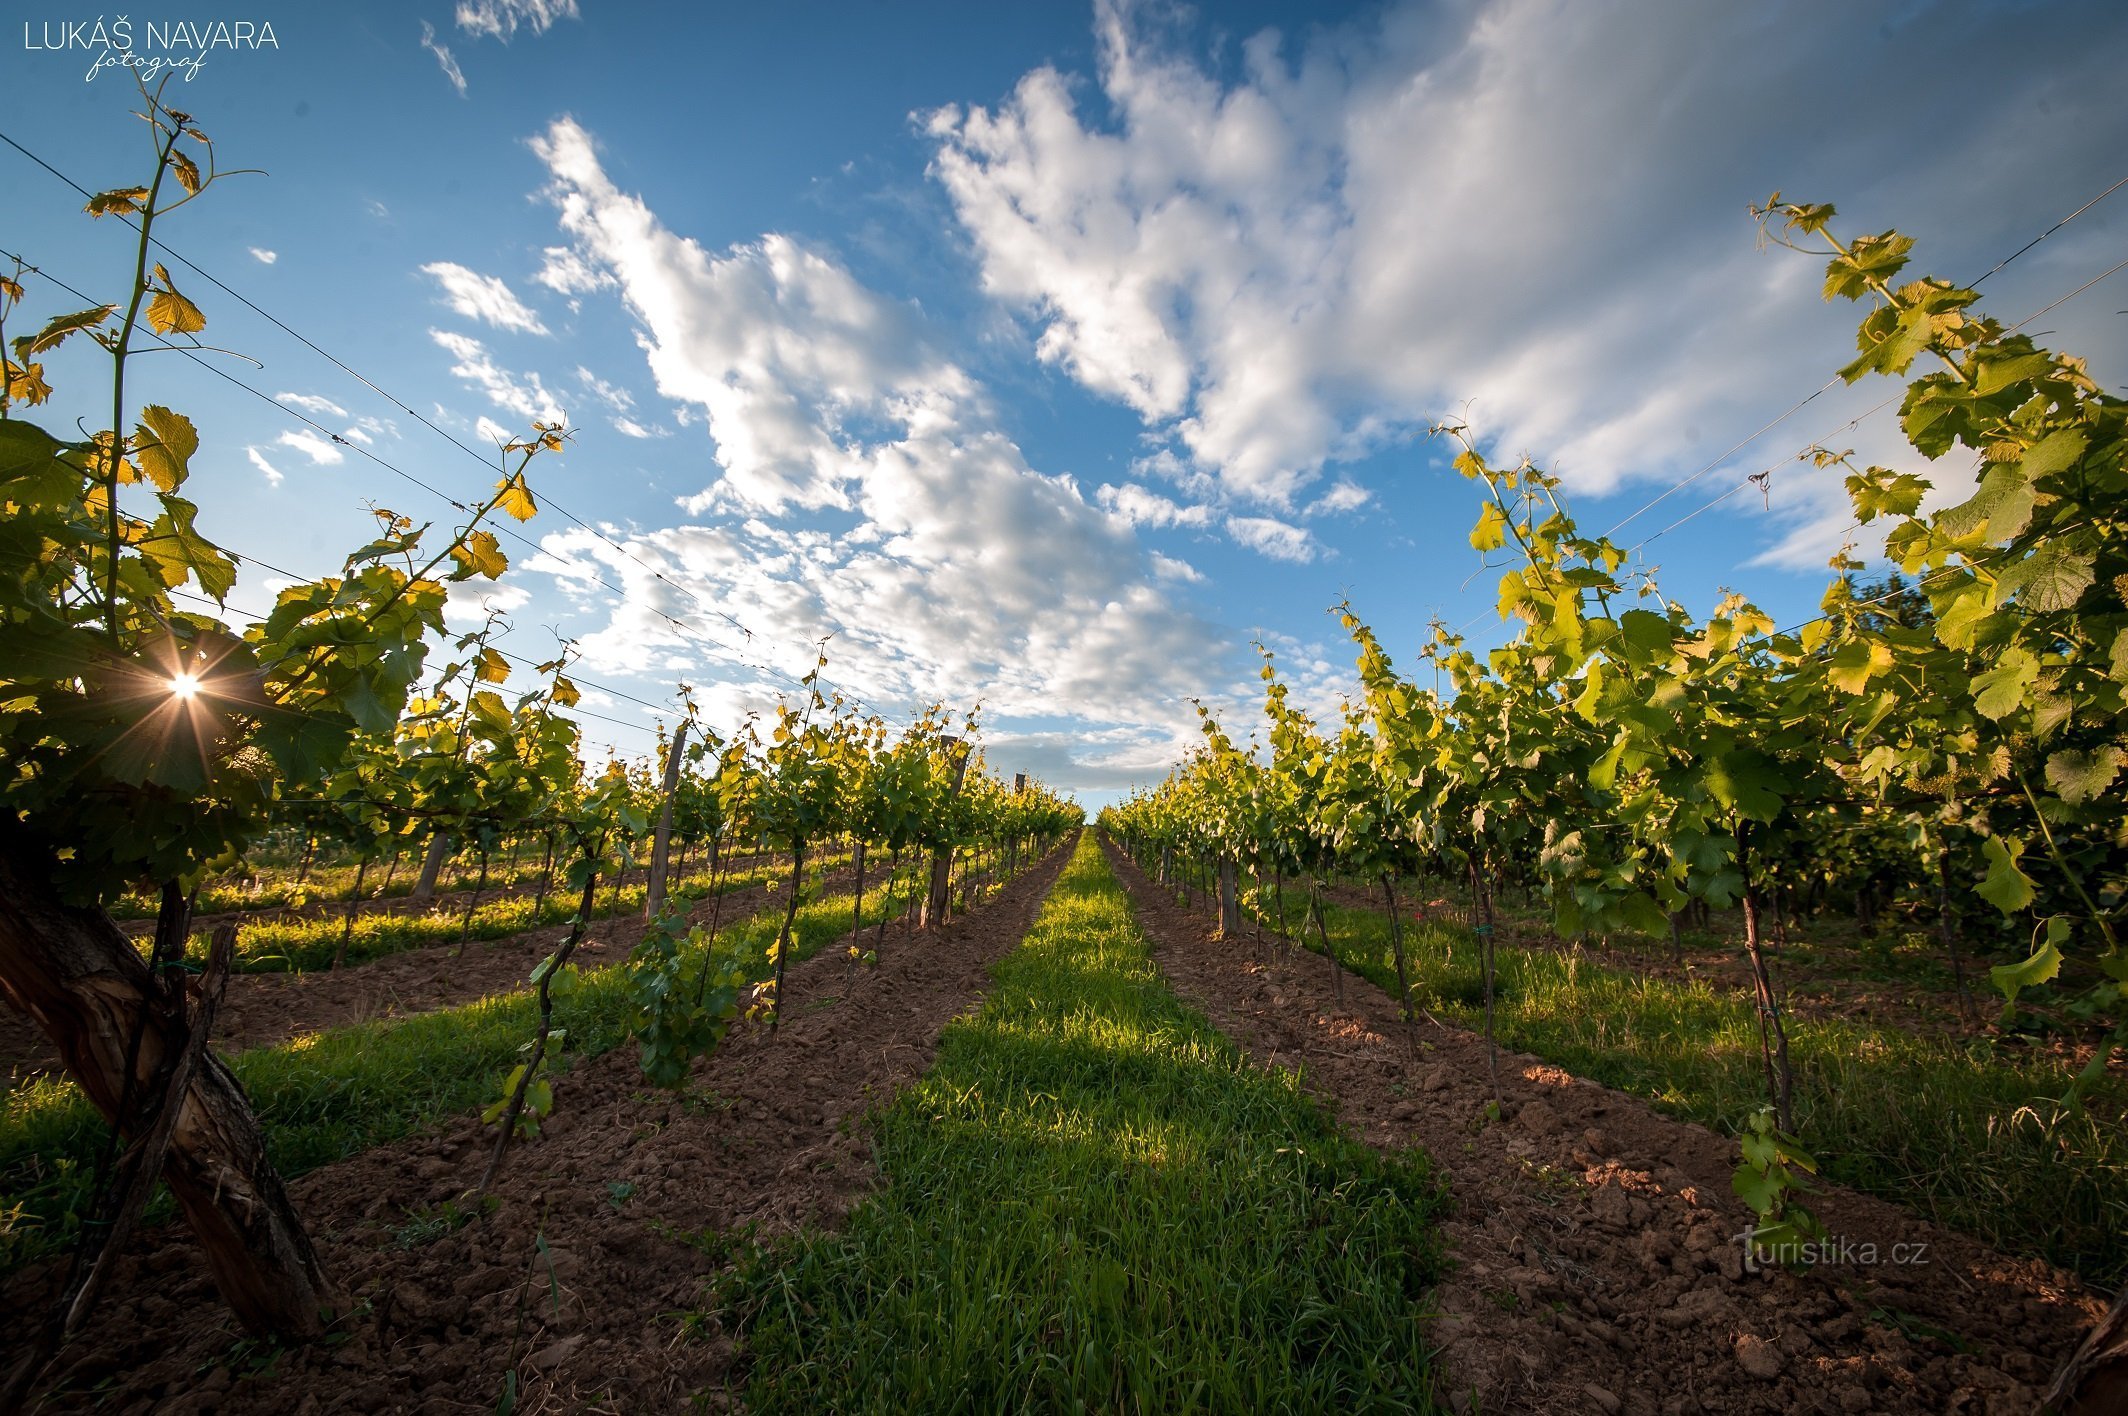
x,y
2007,887
491,667
2056,452
2042,966
1746,782
2053,577
2000,691
1646,630
25,448
1856,662
1490,534
2078,775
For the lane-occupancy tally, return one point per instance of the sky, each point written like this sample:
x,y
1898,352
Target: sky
x,y
1051,357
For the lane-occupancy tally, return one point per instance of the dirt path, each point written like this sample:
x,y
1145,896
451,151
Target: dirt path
x,y
577,1292
1596,1264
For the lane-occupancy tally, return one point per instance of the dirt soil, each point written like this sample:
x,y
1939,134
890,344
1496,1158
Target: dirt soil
x,y
578,1290
1595,1261
264,1008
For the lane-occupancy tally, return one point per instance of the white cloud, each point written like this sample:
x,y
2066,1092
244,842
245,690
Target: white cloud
x,y
523,394
1169,568
564,271
612,395
1136,506
258,460
969,573
483,297
444,60
629,427
1342,496
319,450
470,601
312,403
499,19
1269,536
490,431
264,256
1528,210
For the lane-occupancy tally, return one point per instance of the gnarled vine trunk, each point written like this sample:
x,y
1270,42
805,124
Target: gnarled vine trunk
x,y
86,986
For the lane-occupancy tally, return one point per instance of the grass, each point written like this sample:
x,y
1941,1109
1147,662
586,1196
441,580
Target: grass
x,y
1950,1130
305,945
275,887
1092,1201
324,1097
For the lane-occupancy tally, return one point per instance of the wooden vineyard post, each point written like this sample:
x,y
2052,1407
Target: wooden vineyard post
x,y
934,912
1229,903
431,865
661,843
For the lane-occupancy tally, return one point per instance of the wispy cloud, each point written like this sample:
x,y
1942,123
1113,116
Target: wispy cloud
x,y
264,256
442,52
500,19
315,404
523,394
258,460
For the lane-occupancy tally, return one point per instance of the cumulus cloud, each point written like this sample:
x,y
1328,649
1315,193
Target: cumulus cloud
x,y
562,270
968,573
1136,506
522,394
319,450
258,460
1341,496
470,602
1269,536
483,297
1527,210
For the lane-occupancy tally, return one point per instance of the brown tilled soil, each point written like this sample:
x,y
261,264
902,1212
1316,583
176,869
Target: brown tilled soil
x,y
578,1289
1595,1264
265,1008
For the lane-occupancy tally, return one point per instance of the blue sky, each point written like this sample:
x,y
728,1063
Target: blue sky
x,y
1050,355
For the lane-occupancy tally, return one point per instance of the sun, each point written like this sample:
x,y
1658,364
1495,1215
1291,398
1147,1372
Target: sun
x,y
184,685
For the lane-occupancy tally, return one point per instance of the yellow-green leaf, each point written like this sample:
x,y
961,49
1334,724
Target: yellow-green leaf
x,y
169,312
163,445
479,554
516,498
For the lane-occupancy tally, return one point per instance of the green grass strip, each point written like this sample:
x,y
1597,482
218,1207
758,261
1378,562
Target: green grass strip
x,y
1951,1131
325,1097
307,945
1094,1203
